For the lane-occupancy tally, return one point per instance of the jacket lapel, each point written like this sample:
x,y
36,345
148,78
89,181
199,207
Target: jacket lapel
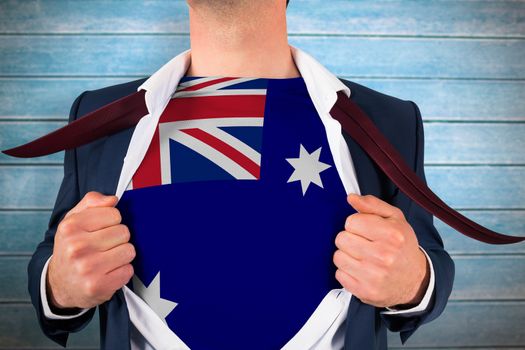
x,y
111,161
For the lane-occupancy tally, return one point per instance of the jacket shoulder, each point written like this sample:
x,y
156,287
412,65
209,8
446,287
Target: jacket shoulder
x,y
396,118
380,105
93,99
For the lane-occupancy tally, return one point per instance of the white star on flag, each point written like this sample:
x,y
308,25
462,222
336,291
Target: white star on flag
x,y
151,295
307,168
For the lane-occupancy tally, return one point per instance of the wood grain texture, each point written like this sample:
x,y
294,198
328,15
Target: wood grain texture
x,y
66,55
460,61
457,100
417,18
511,222
472,324
19,329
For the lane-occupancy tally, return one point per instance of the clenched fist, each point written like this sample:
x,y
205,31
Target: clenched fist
x,y
378,257
91,255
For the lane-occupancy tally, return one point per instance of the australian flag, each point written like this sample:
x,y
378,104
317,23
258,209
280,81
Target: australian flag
x,y
234,212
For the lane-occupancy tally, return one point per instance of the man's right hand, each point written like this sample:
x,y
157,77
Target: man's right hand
x,y
91,254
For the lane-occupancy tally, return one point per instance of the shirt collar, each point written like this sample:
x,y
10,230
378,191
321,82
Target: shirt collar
x,y
321,84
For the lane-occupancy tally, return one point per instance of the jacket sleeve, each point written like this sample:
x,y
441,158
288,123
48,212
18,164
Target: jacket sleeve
x,y
68,196
430,240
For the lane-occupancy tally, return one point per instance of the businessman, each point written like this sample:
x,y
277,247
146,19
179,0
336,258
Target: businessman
x,y
352,257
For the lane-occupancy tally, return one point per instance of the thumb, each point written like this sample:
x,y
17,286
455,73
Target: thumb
x,y
357,202
370,204
94,199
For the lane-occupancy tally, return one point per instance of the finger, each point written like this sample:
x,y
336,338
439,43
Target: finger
x,y
370,204
96,218
369,226
113,258
347,263
109,237
93,199
118,277
349,282
353,245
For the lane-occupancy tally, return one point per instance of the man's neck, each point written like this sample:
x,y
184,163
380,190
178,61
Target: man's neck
x,y
238,44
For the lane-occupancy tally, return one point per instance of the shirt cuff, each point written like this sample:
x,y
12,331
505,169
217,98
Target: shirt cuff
x,y
426,298
45,305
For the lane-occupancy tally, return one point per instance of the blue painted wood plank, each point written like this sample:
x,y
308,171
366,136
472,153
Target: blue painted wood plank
x,y
479,187
19,329
477,277
346,56
466,143
21,231
447,18
446,143
16,133
475,187
437,99
489,278
471,18
459,347
510,222
458,99
46,97
29,186
471,324
430,58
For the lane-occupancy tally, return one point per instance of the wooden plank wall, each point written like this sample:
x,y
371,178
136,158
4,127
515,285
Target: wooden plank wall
x,y
462,62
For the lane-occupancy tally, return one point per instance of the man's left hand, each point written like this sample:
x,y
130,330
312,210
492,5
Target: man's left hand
x,y
378,257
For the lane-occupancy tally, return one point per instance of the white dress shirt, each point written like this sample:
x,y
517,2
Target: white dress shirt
x,y
148,330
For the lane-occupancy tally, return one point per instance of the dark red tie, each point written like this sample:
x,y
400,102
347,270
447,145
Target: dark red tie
x,y
127,111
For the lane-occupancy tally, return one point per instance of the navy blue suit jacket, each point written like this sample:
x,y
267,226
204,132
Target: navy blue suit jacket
x,y
96,167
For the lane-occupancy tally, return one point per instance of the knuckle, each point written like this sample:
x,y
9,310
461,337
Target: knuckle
x,y
129,251
397,238
90,197
368,198
337,258
349,221
342,279
91,194
387,259
399,212
340,239
83,267
91,289
68,225
115,214
123,232
339,276
127,272
126,233
72,250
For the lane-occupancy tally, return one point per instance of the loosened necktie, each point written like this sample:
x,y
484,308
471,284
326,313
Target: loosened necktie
x,y
127,111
